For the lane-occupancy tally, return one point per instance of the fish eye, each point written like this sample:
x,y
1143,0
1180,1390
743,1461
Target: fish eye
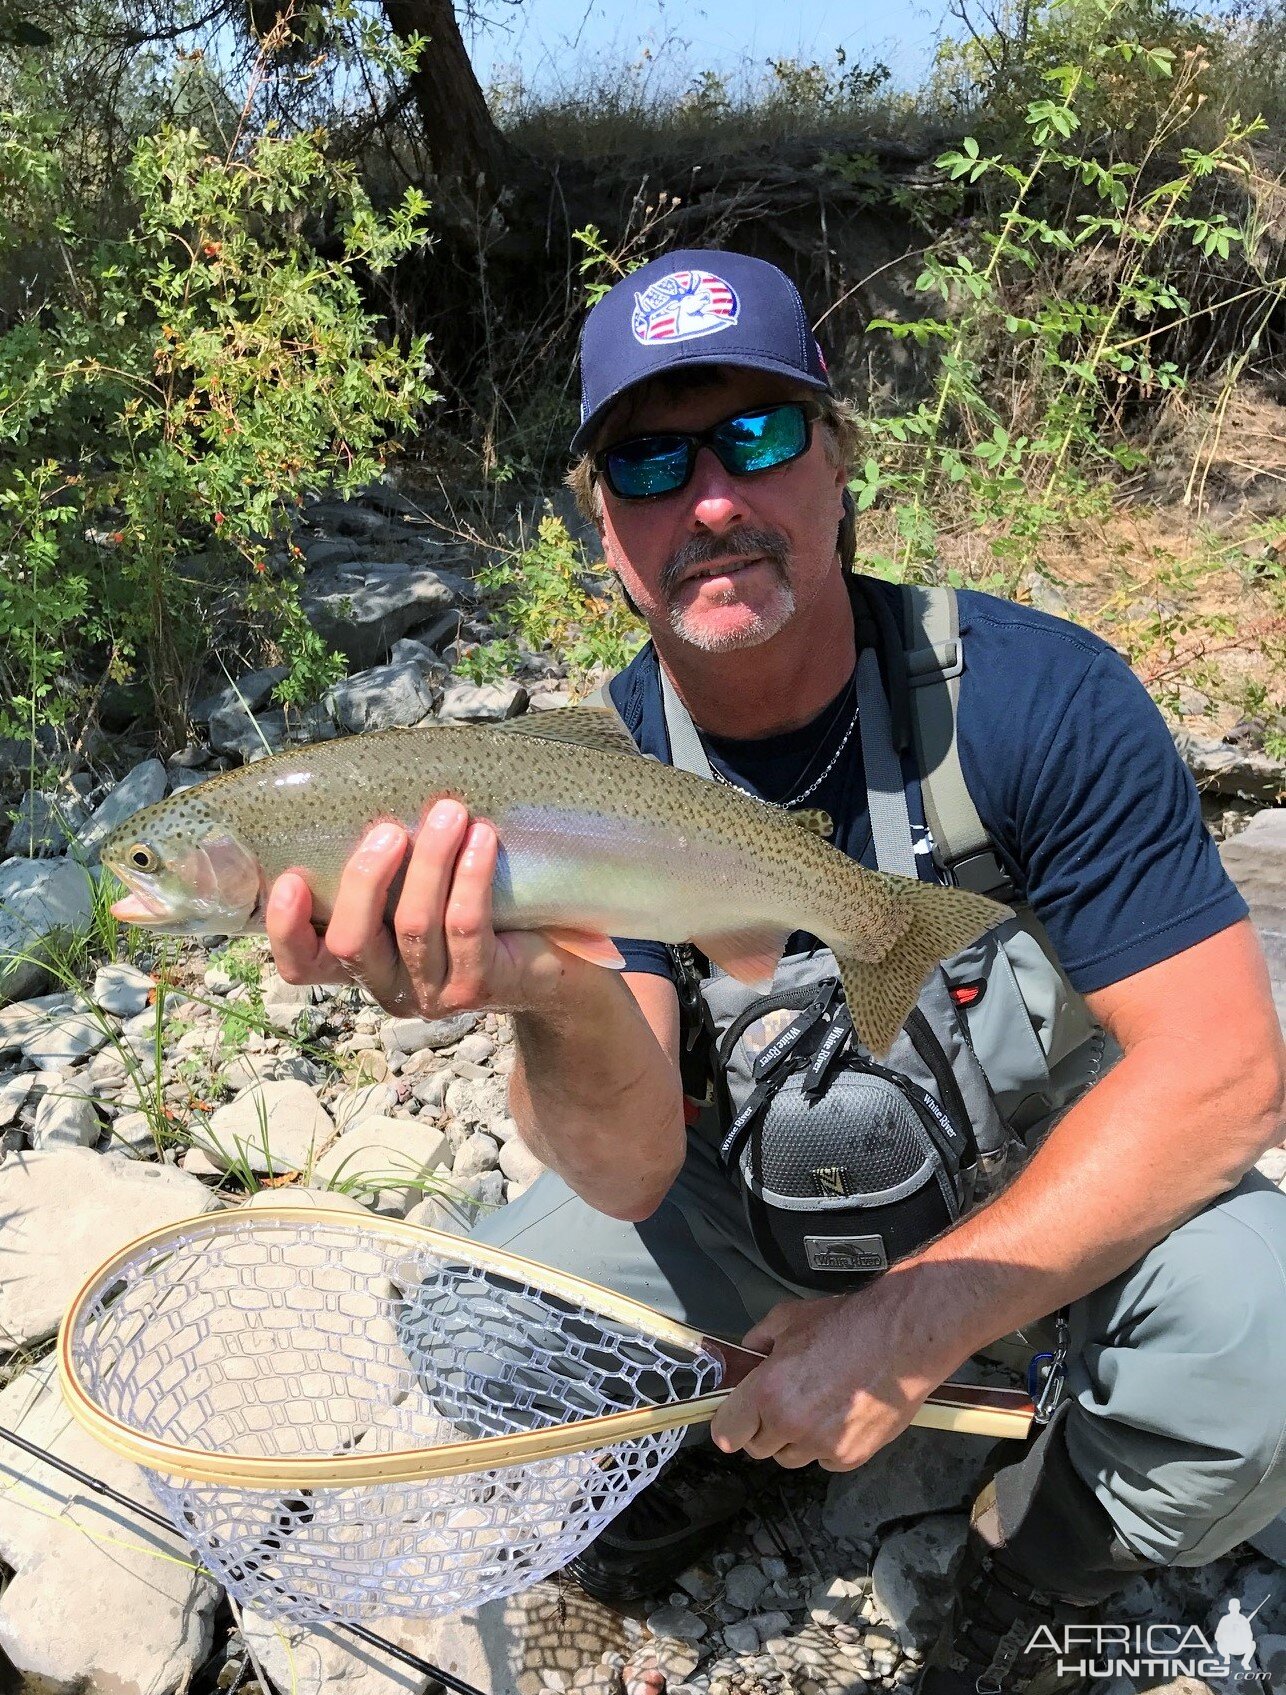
x,y
141,858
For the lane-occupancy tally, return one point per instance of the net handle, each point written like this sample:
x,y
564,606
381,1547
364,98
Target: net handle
x,y
964,1408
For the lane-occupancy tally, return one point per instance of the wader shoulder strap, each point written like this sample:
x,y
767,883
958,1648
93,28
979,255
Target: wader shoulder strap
x,y
885,788
935,661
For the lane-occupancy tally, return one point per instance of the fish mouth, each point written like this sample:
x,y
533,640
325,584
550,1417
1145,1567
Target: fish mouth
x,y
215,888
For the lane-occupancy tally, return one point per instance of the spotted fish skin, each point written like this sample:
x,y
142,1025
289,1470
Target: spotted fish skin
x,y
593,838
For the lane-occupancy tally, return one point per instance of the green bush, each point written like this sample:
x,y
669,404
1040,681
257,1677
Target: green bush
x,y
171,397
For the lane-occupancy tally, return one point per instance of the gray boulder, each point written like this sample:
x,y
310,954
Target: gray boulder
x,y
65,1118
145,784
920,1471
467,704
41,906
45,823
121,989
241,734
64,1211
911,1577
362,609
247,694
67,1040
1220,768
385,698
273,1127
99,1600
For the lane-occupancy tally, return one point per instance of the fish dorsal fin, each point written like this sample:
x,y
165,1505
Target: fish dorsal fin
x,y
586,726
814,819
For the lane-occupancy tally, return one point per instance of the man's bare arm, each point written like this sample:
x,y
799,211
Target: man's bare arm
x,y
596,1090
1195,1101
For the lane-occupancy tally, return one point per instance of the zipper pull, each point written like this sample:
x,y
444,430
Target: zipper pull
x,y
778,1050
827,1054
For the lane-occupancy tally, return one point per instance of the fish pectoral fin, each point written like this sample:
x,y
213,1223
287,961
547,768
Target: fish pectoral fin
x,y
750,955
586,726
814,819
588,945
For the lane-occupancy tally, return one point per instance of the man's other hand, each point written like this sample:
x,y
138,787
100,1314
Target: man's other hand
x,y
836,1385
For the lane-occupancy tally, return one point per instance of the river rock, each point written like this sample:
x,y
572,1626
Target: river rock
x,y
490,703
99,1600
411,1035
354,1106
920,1471
66,1041
44,824
518,1645
477,1154
743,1586
42,904
388,1161
362,609
1255,859
1227,770
66,1119
385,698
131,1134
316,1660
145,784
911,1577
13,1097
64,1211
273,1127
247,694
520,1165
122,990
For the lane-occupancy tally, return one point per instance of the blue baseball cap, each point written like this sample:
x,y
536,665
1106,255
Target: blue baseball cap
x,y
696,307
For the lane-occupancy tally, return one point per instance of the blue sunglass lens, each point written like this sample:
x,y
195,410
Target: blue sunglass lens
x,y
761,440
652,465
756,441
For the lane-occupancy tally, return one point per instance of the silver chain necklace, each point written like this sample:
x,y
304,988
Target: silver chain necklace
x,y
797,799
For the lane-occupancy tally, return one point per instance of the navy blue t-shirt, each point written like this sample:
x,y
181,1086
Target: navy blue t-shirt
x,y
1069,763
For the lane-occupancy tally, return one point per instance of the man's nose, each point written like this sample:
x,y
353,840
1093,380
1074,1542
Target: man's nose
x,y
716,497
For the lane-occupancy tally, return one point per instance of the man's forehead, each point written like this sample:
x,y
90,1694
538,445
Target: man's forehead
x,y
696,400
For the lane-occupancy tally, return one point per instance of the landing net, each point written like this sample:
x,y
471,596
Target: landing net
x,y
352,1417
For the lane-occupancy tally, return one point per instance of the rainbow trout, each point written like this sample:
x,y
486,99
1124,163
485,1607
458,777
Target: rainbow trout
x,y
595,841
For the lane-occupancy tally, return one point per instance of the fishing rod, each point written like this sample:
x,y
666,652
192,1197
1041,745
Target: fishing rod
x,y
372,1638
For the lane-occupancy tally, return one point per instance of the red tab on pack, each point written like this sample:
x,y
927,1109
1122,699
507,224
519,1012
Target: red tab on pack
x,y
967,994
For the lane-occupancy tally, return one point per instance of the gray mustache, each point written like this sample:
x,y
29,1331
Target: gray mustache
x,y
737,544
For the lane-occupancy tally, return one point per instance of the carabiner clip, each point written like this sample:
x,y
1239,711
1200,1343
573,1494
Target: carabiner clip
x,y
1047,1373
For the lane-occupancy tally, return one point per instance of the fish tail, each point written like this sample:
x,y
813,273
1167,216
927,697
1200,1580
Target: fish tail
x,y
880,993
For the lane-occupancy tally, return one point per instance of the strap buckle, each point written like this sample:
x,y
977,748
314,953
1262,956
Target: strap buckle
x,y
1047,1372
982,873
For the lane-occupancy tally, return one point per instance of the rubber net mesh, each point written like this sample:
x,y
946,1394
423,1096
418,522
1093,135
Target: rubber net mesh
x,y
306,1338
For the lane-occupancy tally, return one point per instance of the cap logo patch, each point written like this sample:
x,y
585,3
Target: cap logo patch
x,y
683,306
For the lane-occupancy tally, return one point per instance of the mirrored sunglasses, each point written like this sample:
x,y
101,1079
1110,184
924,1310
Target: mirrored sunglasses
x,y
647,466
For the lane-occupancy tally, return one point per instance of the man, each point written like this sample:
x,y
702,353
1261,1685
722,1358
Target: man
x,y
713,459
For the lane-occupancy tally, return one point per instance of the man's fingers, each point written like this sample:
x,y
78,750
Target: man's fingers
x,y
357,935
470,940
296,947
421,907
736,1424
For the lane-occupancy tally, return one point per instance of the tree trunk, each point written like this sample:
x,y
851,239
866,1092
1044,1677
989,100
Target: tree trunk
x,y
462,139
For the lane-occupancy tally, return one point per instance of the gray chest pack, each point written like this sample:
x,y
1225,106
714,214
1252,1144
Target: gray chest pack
x,y
846,1164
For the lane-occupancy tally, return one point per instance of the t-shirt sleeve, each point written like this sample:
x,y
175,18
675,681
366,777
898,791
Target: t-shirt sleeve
x,y
653,957
1110,843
